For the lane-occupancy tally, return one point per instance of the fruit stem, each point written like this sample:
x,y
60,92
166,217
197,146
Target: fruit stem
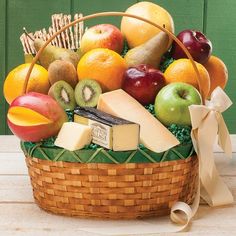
x,y
183,94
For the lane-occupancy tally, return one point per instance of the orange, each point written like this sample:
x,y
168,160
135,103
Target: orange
x,y
138,32
218,73
182,70
103,65
14,82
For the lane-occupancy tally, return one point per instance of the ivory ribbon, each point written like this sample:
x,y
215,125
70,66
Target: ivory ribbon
x,y
207,123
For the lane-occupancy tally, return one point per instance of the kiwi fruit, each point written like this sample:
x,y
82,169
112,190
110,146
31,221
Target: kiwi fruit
x,y
63,93
62,70
87,92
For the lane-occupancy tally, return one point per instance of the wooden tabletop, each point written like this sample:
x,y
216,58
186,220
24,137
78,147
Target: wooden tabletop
x,y
19,215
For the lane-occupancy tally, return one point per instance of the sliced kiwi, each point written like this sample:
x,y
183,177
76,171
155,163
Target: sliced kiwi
x,y
87,92
63,93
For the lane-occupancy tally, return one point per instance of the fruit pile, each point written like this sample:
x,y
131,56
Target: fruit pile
x,y
124,87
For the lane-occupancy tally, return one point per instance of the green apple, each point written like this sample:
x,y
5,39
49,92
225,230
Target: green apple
x,y
172,102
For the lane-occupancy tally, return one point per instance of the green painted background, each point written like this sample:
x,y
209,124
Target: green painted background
x,y
216,18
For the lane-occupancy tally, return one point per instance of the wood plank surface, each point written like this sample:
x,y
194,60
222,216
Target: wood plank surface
x,y
19,215
17,189
13,164
2,64
9,143
15,144
34,15
216,17
186,14
95,6
220,28
217,221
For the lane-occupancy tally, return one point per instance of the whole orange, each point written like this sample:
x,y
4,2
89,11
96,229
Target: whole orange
x,y
138,32
14,82
218,73
103,65
182,70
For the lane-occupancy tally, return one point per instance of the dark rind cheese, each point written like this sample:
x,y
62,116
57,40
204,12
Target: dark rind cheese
x,y
100,116
109,131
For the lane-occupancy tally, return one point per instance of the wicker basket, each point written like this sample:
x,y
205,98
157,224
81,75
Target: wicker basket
x,y
115,191
112,190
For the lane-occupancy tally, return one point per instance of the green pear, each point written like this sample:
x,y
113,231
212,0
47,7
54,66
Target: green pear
x,y
148,53
52,53
28,58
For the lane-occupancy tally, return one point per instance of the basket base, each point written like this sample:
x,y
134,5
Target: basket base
x,y
112,191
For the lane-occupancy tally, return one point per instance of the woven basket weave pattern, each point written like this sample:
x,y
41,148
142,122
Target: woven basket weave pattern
x,y
112,190
123,191
101,155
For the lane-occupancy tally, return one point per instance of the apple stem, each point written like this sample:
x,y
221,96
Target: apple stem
x,y
182,94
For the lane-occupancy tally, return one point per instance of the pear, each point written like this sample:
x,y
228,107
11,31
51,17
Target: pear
x,y
149,52
28,58
52,53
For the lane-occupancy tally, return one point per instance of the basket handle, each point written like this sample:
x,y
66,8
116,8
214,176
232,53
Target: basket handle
x,y
170,34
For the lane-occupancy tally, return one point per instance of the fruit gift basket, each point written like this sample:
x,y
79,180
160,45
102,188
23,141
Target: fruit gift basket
x,y
110,130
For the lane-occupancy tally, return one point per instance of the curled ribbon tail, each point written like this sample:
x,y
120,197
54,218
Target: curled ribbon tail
x,y
182,213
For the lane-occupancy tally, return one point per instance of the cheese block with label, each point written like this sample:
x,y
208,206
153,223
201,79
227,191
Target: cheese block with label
x,y
74,136
153,134
109,131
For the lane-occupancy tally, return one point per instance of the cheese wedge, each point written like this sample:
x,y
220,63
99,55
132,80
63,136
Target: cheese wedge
x,y
109,131
74,136
153,134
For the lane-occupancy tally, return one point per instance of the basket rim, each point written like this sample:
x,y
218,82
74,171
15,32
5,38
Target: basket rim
x,y
102,155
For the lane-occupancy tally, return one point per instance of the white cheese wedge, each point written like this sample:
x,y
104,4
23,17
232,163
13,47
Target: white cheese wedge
x,y
74,136
109,131
125,137
153,134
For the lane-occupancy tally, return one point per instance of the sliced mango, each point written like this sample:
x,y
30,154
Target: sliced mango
x,y
26,117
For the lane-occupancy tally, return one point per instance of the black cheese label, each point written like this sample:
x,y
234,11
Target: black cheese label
x,y
101,134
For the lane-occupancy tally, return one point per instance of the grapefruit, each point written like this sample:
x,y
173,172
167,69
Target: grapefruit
x,y
138,32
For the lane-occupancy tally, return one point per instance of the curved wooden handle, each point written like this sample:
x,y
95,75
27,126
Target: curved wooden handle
x,y
170,34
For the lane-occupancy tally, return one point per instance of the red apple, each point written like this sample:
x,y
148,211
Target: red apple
x,y
143,82
199,46
102,36
35,116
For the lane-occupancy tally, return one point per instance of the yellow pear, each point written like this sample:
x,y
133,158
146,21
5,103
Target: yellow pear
x,y
52,53
148,53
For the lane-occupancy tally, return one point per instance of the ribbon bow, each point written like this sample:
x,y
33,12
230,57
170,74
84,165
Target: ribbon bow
x,y
207,123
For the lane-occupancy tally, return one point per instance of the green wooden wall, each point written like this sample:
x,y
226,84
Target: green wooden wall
x,y
216,18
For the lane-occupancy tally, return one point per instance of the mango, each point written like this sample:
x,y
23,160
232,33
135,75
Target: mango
x,y
34,116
